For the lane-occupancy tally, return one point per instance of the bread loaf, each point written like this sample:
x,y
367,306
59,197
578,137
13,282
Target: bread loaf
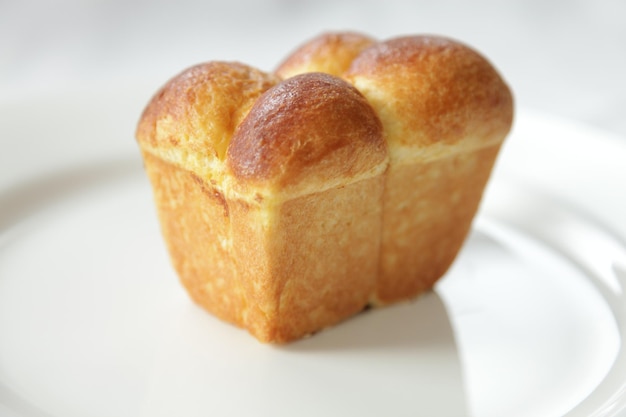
x,y
349,177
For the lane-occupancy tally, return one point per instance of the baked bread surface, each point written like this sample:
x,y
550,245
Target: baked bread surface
x,y
331,53
445,112
312,129
350,177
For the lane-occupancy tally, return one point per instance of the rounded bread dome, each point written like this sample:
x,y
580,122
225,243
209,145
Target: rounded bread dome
x,y
313,128
429,89
198,110
331,53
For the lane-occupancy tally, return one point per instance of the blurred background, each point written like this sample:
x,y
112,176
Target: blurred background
x,y
563,58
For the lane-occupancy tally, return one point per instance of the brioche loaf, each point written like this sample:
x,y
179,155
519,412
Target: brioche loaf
x,y
349,177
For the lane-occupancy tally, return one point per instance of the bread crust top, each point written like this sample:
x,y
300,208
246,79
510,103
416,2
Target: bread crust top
x,y
199,109
314,128
331,53
431,90
413,98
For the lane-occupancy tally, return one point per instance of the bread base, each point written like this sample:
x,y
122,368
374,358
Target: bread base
x,y
428,212
283,269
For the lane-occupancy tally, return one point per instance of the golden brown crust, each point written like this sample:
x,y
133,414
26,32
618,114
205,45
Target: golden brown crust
x,y
445,111
312,127
423,230
196,228
331,53
309,262
429,89
288,206
283,270
198,110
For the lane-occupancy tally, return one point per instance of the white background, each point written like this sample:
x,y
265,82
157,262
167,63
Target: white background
x,y
564,58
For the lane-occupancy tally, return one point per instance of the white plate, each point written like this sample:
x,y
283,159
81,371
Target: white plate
x,y
530,321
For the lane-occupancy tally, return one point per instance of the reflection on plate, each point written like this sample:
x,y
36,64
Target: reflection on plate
x,y
528,322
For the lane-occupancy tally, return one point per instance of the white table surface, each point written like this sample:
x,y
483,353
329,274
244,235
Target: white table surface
x,y
563,58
